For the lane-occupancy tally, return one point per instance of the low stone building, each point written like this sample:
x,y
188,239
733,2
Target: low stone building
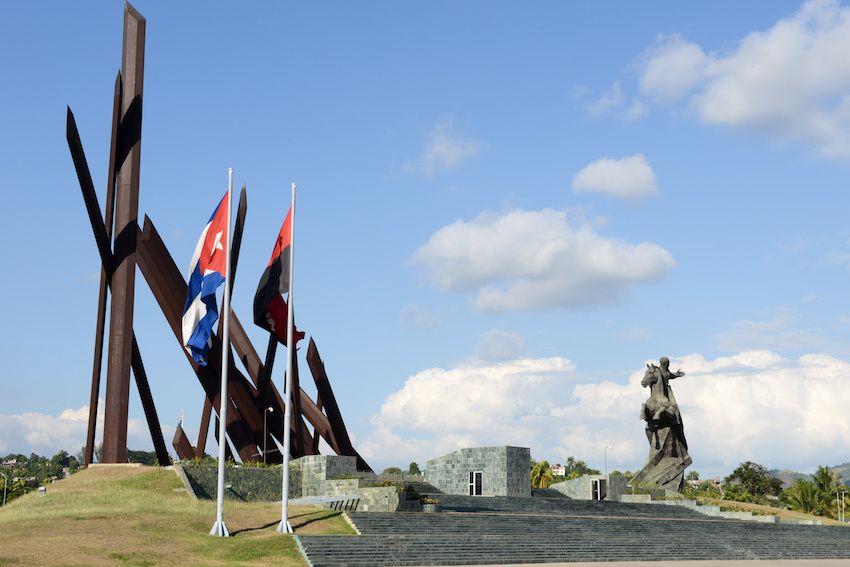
x,y
482,471
317,477
593,487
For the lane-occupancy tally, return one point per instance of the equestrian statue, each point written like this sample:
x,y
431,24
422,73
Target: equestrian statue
x,y
668,449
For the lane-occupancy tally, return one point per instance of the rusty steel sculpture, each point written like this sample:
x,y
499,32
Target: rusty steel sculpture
x,y
123,245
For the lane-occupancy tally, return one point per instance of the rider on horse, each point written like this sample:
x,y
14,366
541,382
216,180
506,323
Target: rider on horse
x,y
661,399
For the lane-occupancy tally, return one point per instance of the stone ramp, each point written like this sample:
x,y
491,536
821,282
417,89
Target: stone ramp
x,y
514,538
560,506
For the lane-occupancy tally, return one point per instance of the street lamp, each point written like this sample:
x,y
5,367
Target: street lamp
x,y
840,505
5,486
266,413
607,448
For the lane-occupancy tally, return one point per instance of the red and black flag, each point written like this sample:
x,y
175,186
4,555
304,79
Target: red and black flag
x,y
270,310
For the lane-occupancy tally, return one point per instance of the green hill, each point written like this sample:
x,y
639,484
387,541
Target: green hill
x,y
142,516
788,476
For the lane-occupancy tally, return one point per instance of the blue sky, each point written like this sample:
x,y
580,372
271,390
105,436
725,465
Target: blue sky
x,y
504,212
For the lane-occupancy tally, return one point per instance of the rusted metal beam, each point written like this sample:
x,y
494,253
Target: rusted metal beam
x,y
101,234
148,405
201,446
300,437
126,213
264,378
228,454
81,166
181,443
319,421
104,276
316,435
323,386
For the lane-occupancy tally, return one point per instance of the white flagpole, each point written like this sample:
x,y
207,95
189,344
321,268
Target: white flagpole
x,y
219,529
283,526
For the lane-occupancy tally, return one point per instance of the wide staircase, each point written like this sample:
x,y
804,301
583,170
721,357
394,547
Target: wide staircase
x,y
559,506
484,530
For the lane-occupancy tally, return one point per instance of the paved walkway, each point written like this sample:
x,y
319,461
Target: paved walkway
x,y
771,563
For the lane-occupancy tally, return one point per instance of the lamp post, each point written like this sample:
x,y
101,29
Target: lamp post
x,y
5,486
266,413
840,505
607,448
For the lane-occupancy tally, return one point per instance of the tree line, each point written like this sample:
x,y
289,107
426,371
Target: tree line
x,y
749,482
27,473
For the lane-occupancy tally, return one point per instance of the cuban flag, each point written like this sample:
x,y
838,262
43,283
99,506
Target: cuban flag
x,y
206,273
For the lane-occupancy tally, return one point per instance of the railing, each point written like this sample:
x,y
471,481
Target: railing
x,y
336,502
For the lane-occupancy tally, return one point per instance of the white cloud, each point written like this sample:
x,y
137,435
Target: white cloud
x,y
613,101
779,331
416,316
635,111
497,345
444,150
610,99
628,177
536,260
673,68
474,404
790,82
47,434
734,408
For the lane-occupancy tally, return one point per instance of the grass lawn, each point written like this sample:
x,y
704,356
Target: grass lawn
x,y
143,517
761,509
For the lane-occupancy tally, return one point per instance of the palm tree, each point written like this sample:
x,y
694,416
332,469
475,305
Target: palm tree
x,y
541,475
803,495
826,483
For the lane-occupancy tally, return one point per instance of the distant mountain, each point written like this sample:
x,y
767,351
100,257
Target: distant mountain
x,y
788,477
843,471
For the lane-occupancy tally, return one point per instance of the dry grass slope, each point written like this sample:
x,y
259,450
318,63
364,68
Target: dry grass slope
x,y
770,510
143,517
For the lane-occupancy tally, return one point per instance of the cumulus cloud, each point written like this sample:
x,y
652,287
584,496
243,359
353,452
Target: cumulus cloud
x,y
672,69
777,332
476,403
497,345
48,434
790,82
536,260
735,408
444,150
628,177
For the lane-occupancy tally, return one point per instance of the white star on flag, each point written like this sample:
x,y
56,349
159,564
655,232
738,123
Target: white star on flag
x,y
217,243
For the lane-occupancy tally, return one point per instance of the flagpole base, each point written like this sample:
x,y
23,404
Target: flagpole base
x,y
219,529
284,528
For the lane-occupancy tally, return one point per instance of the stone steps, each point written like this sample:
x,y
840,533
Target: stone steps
x,y
605,531
715,511
470,549
537,505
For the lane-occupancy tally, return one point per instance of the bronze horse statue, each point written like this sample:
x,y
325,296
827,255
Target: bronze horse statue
x,y
661,402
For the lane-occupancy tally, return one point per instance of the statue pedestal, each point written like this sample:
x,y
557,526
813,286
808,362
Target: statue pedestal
x,y
668,457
